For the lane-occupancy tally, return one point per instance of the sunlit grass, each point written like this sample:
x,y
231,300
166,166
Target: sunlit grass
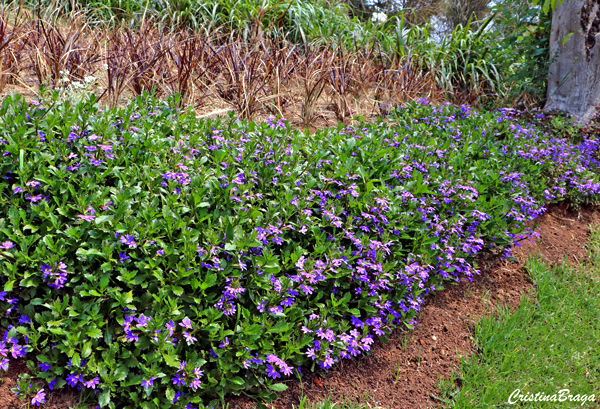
x,y
549,344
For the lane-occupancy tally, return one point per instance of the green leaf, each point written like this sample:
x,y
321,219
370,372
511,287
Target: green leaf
x,y
104,398
87,349
279,327
8,286
76,360
102,219
171,360
209,281
104,281
237,380
278,387
567,38
236,383
94,333
88,252
229,232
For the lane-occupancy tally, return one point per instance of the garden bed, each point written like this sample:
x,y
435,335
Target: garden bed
x,y
405,372
157,259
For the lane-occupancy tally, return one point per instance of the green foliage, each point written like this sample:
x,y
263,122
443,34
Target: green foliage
x,y
465,64
522,32
258,248
285,19
329,404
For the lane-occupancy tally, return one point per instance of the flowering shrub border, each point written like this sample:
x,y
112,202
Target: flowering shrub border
x,y
153,259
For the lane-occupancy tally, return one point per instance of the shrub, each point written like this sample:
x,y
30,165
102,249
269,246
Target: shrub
x,y
155,258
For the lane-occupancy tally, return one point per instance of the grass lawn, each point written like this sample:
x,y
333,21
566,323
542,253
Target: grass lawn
x,y
549,345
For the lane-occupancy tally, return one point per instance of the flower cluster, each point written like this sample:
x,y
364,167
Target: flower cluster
x,y
55,275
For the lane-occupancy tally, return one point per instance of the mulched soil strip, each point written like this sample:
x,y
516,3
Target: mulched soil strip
x,y
404,372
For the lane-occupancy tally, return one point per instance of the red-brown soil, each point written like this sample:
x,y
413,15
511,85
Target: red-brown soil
x,y
404,372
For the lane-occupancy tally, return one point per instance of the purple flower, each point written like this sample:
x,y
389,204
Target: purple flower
x,y
85,218
39,398
129,240
178,380
45,367
189,338
33,183
7,245
288,302
51,384
171,327
4,364
72,379
306,330
33,199
92,383
306,289
149,383
195,384
131,337
182,366
122,257
107,206
272,372
177,396
18,189
160,252
56,276
224,343
286,369
186,323
327,363
143,321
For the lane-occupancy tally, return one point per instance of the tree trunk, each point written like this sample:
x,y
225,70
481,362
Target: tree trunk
x,y
574,77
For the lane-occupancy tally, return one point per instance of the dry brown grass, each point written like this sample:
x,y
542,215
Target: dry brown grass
x,y
309,85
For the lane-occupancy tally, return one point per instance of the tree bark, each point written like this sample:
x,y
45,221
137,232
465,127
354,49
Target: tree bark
x,y
574,75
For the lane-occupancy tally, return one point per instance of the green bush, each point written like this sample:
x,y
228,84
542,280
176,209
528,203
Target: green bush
x,y
156,258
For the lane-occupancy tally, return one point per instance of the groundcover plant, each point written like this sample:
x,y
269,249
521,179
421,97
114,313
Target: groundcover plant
x,y
149,258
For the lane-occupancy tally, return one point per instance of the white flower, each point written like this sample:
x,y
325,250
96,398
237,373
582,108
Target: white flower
x,y
379,17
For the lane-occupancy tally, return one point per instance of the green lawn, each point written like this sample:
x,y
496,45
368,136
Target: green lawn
x,y
550,344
